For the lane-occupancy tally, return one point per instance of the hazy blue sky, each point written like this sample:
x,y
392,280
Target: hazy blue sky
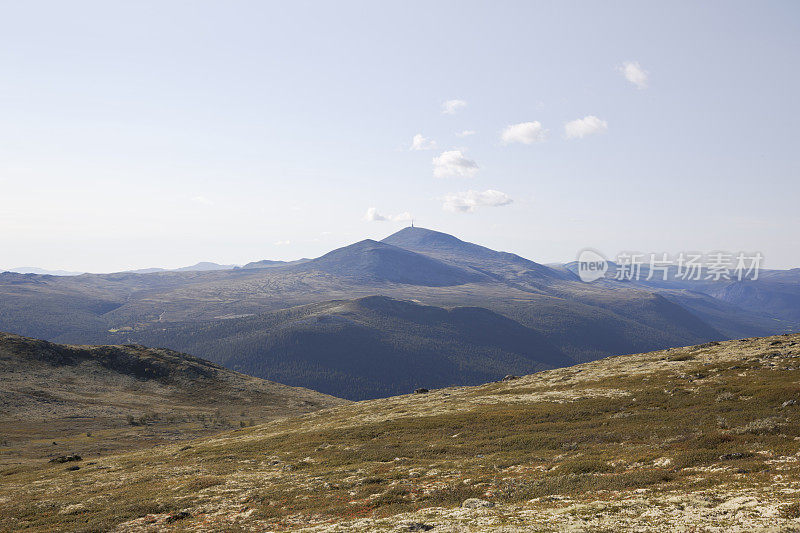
x,y
137,134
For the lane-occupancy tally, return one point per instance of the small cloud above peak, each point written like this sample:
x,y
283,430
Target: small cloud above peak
x,y
525,133
372,215
419,142
580,128
468,201
451,107
454,163
634,73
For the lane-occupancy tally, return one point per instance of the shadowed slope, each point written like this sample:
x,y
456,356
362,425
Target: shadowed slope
x,y
369,347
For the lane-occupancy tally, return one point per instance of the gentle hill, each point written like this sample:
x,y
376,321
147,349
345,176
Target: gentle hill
x,y
373,261
703,438
204,266
367,348
56,392
264,263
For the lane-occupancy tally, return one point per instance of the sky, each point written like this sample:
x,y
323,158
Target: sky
x,y
142,134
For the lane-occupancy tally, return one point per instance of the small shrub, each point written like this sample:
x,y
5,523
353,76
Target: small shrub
x,y
585,466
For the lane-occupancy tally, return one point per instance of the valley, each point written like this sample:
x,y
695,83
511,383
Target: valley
x,y
244,317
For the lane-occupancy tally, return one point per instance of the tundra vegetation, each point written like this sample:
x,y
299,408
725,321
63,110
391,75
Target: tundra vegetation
x,y
704,438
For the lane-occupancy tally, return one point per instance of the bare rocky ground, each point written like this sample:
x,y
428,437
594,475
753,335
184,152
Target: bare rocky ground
x,y
704,438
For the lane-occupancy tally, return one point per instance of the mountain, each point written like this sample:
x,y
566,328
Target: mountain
x,y
758,306
43,272
373,261
203,266
451,249
771,297
54,392
367,348
269,263
702,438
584,321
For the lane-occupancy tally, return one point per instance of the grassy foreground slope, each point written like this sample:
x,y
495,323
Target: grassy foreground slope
x,y
704,438
59,399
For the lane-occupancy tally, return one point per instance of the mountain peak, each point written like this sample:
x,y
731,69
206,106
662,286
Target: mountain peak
x,y
420,236
452,249
380,261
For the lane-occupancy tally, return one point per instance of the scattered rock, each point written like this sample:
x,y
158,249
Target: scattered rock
x,y
662,462
787,403
726,397
72,468
734,456
420,391
510,377
708,344
737,504
760,426
776,343
66,458
184,448
476,503
75,508
419,526
178,516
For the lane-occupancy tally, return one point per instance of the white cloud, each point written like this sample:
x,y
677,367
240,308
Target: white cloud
x,y
451,107
525,133
202,200
422,143
465,133
454,163
634,73
466,202
577,129
372,215
282,243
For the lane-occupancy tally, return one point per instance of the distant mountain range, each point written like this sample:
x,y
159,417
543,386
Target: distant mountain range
x,y
43,271
313,322
199,267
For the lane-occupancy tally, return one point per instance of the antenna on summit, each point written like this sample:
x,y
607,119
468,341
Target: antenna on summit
x,y
412,222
